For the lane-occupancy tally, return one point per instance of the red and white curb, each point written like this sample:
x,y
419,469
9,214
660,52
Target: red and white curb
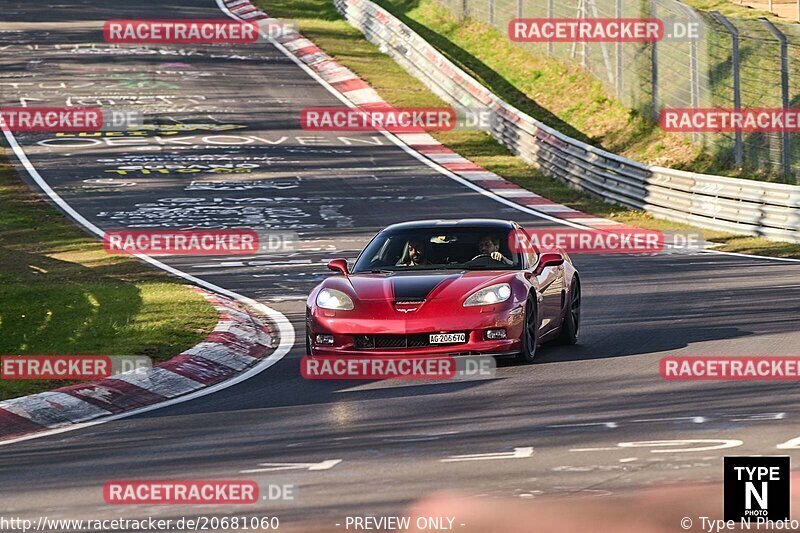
x,y
239,341
347,85
244,10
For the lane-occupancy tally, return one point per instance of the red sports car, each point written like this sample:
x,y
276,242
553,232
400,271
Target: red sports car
x,y
445,287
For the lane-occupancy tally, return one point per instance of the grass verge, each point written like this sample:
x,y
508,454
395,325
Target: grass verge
x,y
62,294
319,21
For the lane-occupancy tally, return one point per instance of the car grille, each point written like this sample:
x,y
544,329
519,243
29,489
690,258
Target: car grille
x,y
389,342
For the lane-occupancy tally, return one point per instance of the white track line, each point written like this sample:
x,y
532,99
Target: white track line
x,y
285,329
394,139
751,256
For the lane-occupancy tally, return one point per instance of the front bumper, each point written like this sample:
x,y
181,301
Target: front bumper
x,y
346,330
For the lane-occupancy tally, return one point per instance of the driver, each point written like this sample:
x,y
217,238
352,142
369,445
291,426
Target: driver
x,y
416,254
490,245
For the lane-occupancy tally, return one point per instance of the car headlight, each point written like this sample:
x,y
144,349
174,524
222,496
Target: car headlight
x,y
333,299
490,295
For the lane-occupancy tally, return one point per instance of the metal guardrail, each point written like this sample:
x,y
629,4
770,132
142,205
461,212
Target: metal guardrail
x,y
704,60
735,205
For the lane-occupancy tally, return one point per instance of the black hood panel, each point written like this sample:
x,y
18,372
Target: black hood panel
x,y
416,288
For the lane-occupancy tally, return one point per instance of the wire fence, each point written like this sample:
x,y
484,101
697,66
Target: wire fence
x,y
736,63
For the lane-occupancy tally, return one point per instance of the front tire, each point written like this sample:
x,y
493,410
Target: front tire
x,y
530,333
572,318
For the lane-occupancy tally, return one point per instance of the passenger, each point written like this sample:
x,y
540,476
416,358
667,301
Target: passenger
x,y
416,254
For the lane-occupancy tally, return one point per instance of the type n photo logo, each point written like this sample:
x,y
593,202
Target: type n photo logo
x,y
757,488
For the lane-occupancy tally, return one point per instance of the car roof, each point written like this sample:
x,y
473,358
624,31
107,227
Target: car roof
x,y
487,223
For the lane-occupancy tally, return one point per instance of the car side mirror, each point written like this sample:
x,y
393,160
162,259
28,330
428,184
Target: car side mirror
x,y
548,259
339,265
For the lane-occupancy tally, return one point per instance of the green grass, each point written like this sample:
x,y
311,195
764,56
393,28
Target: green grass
x,y
561,95
62,294
319,21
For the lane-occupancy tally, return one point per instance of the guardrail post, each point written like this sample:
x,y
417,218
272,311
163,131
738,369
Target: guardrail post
x,y
463,9
618,53
550,12
786,155
654,66
738,146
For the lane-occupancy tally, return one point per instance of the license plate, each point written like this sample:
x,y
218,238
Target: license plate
x,y
447,338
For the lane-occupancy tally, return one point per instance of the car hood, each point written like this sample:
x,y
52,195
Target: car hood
x,y
417,286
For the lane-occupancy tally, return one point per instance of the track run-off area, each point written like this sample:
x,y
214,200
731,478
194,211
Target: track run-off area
x,y
592,419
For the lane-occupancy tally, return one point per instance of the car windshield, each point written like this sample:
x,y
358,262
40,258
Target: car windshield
x,y
439,248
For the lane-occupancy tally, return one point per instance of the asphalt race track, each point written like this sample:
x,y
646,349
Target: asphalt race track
x,y
594,415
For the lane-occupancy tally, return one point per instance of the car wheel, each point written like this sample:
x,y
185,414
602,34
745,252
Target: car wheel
x,y
530,333
572,318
